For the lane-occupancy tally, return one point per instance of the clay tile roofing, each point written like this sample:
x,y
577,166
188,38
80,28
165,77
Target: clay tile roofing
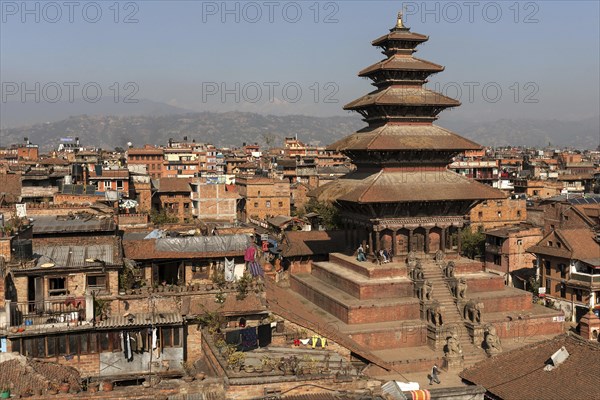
x,y
411,96
400,35
404,137
519,374
404,186
34,375
310,243
402,63
174,185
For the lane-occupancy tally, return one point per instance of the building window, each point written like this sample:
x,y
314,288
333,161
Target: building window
x,y
548,286
548,268
563,270
480,214
519,242
578,295
96,282
280,204
107,185
518,213
57,286
268,203
549,243
563,290
120,185
256,204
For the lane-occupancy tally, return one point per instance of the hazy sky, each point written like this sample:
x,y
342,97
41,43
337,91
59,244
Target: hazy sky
x,y
256,56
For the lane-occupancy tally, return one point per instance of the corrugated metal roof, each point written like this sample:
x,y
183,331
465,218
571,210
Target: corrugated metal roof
x,y
52,224
140,319
75,256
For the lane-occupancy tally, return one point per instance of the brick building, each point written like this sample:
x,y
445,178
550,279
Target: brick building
x,y
173,195
568,262
149,156
492,214
506,252
263,197
212,201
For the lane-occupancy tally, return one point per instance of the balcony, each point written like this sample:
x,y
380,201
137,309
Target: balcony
x,y
47,312
587,278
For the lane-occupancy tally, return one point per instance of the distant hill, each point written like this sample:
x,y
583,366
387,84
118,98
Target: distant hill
x,y
234,128
15,114
226,129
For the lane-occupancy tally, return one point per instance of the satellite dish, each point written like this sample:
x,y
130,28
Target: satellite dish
x,y
129,144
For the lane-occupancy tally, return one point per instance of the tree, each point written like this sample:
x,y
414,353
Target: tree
x,y
329,214
473,243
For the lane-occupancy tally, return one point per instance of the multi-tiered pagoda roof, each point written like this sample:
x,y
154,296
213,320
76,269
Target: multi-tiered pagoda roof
x,y
402,157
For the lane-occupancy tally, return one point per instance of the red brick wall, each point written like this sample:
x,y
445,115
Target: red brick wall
x,y
484,285
507,303
408,335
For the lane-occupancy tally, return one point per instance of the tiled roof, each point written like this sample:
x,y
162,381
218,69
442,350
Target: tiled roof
x,y
519,374
404,63
403,186
140,319
400,35
174,185
400,137
402,96
579,244
34,375
300,243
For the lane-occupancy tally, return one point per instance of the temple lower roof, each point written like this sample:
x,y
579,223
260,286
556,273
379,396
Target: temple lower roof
x,y
392,137
393,186
401,95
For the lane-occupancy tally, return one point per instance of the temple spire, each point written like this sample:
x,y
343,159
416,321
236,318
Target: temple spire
x,y
399,23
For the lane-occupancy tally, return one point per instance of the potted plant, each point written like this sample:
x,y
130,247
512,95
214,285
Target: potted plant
x,y
93,387
5,392
268,364
235,361
107,386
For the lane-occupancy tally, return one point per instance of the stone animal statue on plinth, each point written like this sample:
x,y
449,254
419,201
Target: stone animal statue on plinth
x,y
472,312
453,347
492,342
439,258
461,289
427,291
434,314
449,270
411,260
417,272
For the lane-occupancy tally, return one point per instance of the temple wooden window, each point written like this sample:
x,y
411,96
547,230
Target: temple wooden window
x,y
548,266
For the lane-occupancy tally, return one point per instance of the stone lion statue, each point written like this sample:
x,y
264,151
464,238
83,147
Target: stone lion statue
x,y
492,341
472,311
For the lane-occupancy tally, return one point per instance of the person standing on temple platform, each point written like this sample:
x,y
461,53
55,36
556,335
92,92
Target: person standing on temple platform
x,y
361,254
434,377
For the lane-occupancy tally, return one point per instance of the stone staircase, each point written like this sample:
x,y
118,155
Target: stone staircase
x,y
451,315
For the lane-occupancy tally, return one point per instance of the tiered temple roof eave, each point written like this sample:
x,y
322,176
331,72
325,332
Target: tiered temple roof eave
x,y
400,34
402,96
402,137
402,64
398,186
